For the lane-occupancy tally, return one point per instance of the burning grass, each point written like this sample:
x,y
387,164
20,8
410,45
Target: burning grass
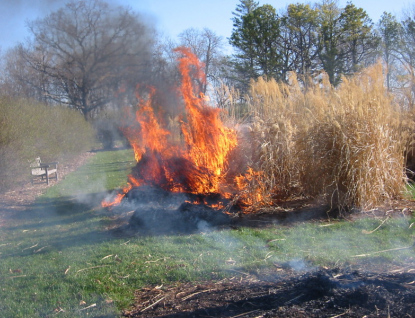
x,y
198,163
346,145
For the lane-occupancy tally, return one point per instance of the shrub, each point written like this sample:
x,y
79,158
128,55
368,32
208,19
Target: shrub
x,y
30,130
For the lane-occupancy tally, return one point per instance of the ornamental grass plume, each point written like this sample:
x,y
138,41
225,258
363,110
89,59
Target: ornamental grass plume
x,y
346,145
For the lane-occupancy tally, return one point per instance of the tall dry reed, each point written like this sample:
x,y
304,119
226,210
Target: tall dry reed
x,y
276,110
344,144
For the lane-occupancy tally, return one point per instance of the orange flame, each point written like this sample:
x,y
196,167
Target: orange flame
x,y
197,167
249,186
208,139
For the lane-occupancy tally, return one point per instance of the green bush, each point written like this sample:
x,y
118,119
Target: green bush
x,y
29,130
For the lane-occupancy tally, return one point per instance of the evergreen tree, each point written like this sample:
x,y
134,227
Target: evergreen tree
x,y
301,23
330,39
255,37
389,30
346,40
244,66
359,40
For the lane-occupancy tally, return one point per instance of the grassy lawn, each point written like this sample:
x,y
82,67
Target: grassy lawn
x,y
58,258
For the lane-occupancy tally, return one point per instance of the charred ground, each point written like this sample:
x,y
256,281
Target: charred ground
x,y
355,290
377,289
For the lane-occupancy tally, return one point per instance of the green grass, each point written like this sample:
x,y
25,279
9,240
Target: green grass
x,y
59,253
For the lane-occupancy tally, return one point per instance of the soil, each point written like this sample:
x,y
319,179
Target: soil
x,y
360,290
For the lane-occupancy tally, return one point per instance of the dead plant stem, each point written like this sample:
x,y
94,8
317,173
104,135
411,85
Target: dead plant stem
x,y
153,304
383,251
245,313
84,269
370,232
194,294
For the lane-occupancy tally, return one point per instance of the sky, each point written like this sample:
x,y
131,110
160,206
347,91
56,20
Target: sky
x,y
170,17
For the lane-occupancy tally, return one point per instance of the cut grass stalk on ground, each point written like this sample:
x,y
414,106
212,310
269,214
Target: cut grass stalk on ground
x,y
60,257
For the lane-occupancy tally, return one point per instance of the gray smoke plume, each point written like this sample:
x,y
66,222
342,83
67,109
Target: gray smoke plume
x,y
15,14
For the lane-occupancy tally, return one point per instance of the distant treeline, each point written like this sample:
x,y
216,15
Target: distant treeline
x,y
310,38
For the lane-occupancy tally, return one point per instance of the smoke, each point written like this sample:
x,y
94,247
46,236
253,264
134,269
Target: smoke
x,y
14,16
160,212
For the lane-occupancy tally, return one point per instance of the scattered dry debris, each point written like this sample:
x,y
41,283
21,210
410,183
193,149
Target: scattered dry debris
x,y
354,291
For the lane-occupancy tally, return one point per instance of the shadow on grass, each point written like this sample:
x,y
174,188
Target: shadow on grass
x,y
61,223
73,221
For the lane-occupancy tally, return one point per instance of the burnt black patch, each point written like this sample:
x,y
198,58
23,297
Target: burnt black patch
x,y
161,212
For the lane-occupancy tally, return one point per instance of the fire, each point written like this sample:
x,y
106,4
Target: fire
x,y
251,189
198,164
209,142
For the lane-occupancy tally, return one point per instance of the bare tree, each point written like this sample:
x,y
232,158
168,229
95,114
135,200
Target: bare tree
x,y
18,78
207,46
86,51
165,62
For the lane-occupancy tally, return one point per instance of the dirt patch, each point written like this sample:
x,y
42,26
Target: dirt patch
x,y
19,198
364,290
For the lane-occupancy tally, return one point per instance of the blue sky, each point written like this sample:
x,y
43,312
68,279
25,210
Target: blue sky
x,y
174,16
169,16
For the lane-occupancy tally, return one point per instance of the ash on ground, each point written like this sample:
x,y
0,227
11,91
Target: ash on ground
x,y
355,291
157,211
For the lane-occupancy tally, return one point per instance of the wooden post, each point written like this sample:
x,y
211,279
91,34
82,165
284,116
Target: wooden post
x,y
47,175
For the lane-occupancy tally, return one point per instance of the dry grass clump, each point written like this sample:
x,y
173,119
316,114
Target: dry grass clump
x,y
344,144
277,116
228,99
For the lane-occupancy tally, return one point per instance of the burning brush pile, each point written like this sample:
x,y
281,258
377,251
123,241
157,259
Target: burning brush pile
x,y
188,174
345,146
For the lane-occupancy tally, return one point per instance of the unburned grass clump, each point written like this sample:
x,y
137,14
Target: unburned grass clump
x,y
345,144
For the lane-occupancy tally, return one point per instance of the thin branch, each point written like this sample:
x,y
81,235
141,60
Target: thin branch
x,y
370,232
84,269
153,304
245,313
17,276
383,251
91,306
194,294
